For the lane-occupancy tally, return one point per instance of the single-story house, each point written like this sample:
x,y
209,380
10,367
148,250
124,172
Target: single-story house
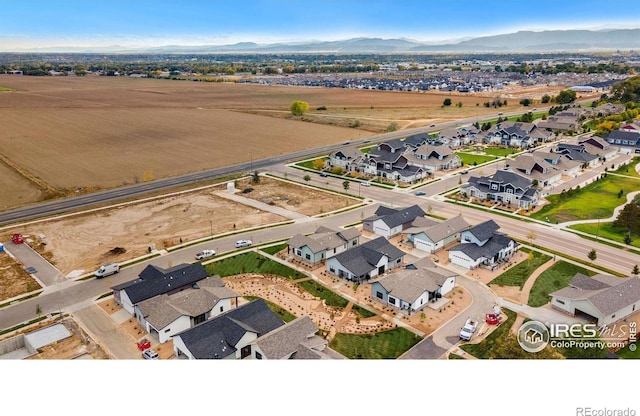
x,y
602,299
294,340
165,315
366,261
600,147
565,165
154,281
578,153
413,287
230,335
482,246
434,236
536,168
506,186
388,222
324,243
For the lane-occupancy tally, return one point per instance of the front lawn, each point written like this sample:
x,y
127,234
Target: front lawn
x,y
251,263
331,298
554,278
518,275
596,200
629,169
469,159
383,345
274,249
500,151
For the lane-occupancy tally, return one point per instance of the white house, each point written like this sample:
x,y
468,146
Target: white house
x,y
324,243
413,287
482,246
388,222
434,236
366,261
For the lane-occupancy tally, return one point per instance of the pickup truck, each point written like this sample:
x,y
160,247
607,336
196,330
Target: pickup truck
x,y
468,329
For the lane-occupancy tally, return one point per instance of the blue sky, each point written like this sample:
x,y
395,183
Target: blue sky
x,y
39,23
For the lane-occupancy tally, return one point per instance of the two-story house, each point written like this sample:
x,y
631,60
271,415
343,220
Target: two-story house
x,y
504,186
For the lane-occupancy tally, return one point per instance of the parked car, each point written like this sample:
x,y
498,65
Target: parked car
x,y
464,172
204,254
420,193
243,243
468,329
324,175
107,270
150,354
366,184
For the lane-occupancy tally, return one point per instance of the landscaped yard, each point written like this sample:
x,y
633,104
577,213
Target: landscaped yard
x,y
629,169
500,151
470,158
518,275
606,230
596,200
251,263
387,344
331,298
554,278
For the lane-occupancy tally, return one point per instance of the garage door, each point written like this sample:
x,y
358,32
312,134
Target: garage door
x,y
422,245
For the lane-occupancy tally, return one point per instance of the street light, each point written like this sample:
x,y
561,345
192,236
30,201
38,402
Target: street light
x,y
211,228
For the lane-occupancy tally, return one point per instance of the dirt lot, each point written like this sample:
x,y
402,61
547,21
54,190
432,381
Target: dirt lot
x,y
14,280
84,242
100,132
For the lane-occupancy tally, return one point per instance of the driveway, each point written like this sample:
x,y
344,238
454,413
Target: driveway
x,y
45,272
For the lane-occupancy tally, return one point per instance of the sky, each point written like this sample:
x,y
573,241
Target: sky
x,y
28,25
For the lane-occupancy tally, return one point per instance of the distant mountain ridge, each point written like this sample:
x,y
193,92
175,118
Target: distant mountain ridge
x,y
522,41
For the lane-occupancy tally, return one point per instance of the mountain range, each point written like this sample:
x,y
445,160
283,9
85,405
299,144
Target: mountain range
x,y
522,41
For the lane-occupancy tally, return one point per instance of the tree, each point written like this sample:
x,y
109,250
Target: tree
x,y
255,177
393,126
525,102
592,254
629,218
446,102
566,97
635,270
345,185
531,236
318,164
545,99
306,178
298,108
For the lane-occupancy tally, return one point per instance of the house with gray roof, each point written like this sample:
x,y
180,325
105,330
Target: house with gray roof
x,y
433,158
504,186
315,248
154,281
536,168
578,153
627,139
366,261
413,287
434,236
388,222
391,163
602,299
347,158
558,161
482,246
600,147
230,335
292,341
165,315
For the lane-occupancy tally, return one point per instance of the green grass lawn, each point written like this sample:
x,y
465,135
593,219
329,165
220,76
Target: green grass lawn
x,y
469,158
251,263
5,89
331,298
627,353
365,313
554,278
596,200
388,344
518,275
606,230
629,169
499,151
274,249
483,349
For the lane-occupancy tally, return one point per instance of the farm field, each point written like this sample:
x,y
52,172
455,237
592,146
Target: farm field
x,y
101,132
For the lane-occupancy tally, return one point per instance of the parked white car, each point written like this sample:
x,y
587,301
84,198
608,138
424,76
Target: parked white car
x,y
204,254
150,354
243,243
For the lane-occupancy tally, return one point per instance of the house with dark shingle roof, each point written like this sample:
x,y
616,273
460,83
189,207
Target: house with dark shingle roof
x,y
321,245
227,336
536,168
433,158
413,287
434,236
292,341
154,281
626,139
366,261
600,147
504,186
165,315
602,299
347,158
482,246
388,222
391,164
578,153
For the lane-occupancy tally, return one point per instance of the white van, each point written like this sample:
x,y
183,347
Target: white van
x,y
107,270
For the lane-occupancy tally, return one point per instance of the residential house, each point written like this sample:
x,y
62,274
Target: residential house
x,y
389,222
504,186
348,158
433,236
536,168
291,341
417,140
230,335
391,165
366,261
433,158
564,123
609,109
482,246
165,315
600,147
515,134
578,153
154,281
413,287
565,165
324,243
627,140
602,299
